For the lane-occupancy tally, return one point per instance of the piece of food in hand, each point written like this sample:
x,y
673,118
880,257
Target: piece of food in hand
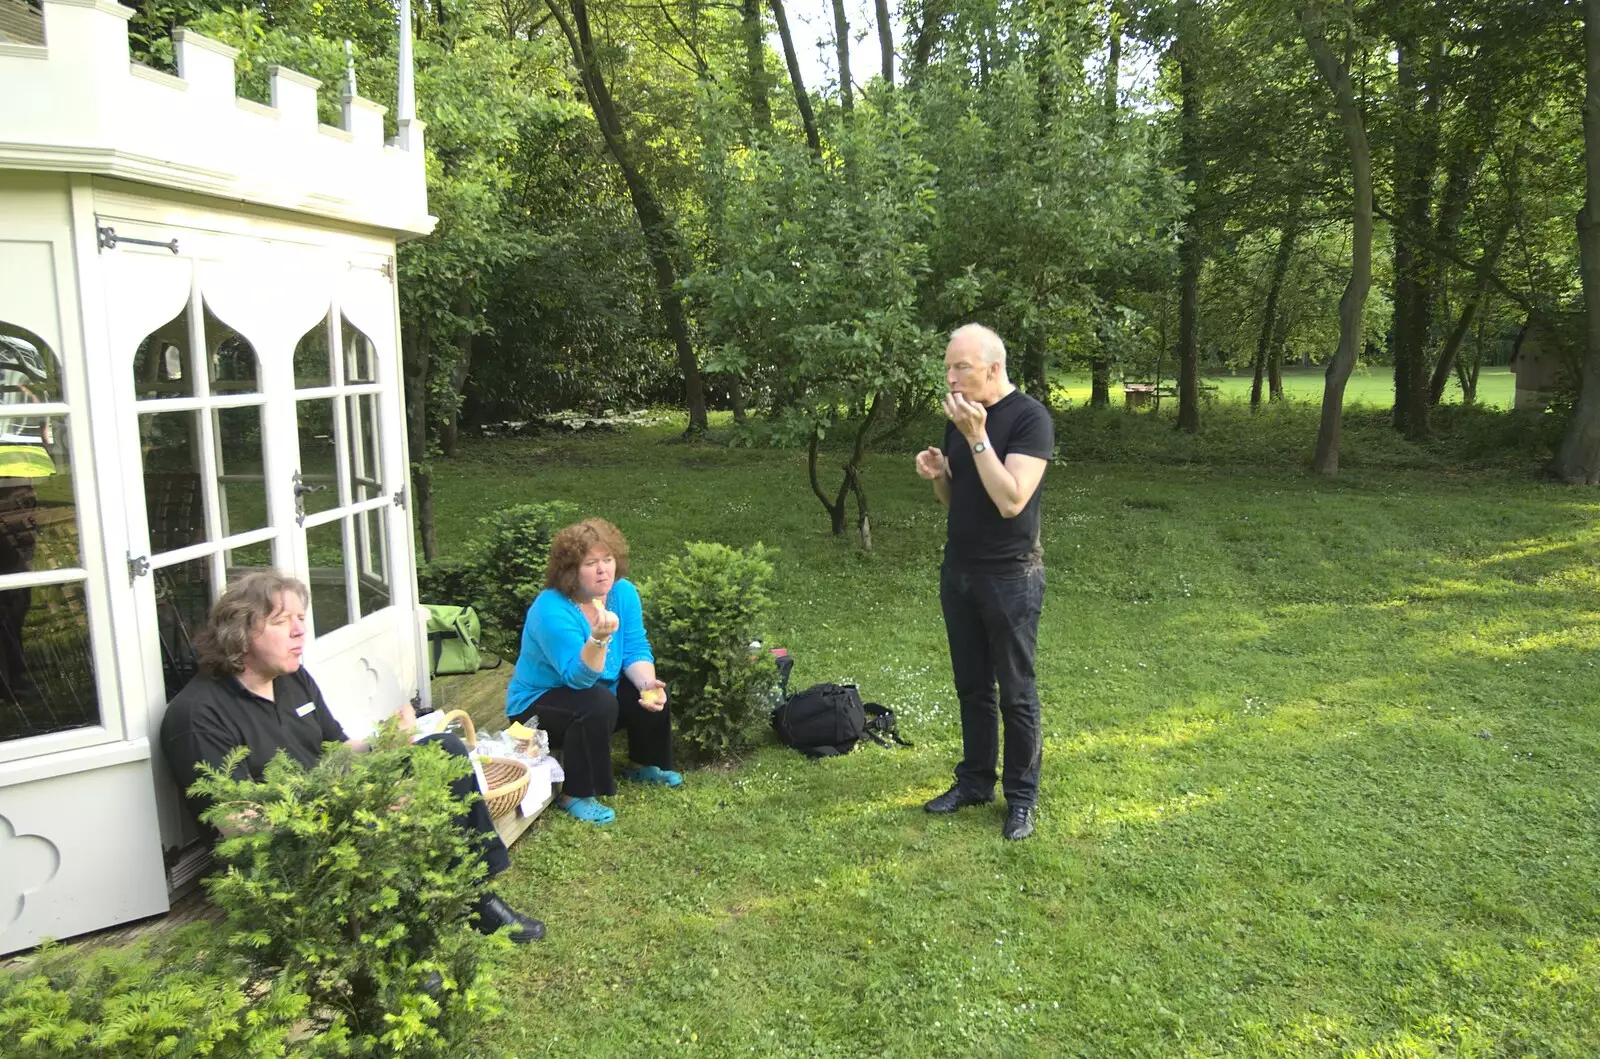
x,y
654,696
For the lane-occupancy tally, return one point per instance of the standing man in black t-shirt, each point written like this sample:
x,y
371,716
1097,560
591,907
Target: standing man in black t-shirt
x,y
991,587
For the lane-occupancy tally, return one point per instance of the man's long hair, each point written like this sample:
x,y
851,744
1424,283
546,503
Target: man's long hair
x,y
223,645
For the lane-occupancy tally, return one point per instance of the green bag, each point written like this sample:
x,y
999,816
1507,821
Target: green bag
x,y
453,635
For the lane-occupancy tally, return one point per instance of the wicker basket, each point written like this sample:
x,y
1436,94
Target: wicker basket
x,y
507,777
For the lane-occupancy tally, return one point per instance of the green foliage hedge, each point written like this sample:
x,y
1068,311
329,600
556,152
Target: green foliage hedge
x,y
166,996
703,610
354,878
502,570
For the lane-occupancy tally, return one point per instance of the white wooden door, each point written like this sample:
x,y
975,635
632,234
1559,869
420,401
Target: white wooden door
x,y
80,844
263,419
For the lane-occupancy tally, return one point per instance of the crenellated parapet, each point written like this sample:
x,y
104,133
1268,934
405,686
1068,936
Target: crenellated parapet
x,y
78,104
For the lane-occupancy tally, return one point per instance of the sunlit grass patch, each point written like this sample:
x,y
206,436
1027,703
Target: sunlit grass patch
x,y
1318,778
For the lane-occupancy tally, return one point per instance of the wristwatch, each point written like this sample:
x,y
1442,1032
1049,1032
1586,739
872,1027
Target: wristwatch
x,y
982,446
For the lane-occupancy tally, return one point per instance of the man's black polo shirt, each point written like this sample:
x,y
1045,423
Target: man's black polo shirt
x,y
211,716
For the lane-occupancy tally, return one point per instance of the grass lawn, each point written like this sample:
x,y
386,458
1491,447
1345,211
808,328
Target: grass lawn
x,y
1368,386
1319,778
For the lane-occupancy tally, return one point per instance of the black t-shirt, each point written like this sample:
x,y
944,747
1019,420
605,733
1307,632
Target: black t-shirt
x,y
978,536
212,716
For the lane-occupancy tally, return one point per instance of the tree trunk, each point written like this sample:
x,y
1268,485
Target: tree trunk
x,y
835,508
756,85
1458,334
885,45
1100,382
802,102
458,381
1191,255
1100,363
1269,314
1578,460
660,238
1416,156
1337,77
841,47
1467,371
415,351
1034,369
1280,339
927,37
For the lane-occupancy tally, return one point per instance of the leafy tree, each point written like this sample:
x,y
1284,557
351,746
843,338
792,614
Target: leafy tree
x,y
1579,458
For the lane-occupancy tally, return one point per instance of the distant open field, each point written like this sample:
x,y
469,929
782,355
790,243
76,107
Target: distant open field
x,y
1368,386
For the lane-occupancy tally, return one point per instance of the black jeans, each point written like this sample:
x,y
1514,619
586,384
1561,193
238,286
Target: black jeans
x,y
992,621
476,820
580,721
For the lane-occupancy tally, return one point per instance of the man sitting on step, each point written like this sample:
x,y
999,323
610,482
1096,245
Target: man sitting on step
x,y
252,692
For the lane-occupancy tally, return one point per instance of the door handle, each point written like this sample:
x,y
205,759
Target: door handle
x,y
302,487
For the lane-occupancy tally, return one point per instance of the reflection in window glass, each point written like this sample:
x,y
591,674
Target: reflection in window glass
x,y
38,515
232,360
370,563
241,561
330,609
314,419
161,363
243,492
365,477
173,505
183,601
313,358
28,370
360,360
46,672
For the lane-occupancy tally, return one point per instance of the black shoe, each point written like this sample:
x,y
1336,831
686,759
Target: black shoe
x,y
955,798
1019,823
494,913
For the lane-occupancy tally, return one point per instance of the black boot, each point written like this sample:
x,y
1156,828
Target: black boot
x,y
493,913
955,798
1019,823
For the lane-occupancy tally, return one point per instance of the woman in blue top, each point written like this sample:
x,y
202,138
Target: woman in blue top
x,y
586,670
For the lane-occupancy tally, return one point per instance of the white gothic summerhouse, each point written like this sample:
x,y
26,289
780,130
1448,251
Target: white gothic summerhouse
x,y
200,373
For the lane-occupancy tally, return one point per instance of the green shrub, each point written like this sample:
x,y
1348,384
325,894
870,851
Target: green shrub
x,y
166,996
358,881
454,581
703,610
511,557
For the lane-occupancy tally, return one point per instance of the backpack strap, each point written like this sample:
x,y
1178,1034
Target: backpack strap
x,y
881,723
436,648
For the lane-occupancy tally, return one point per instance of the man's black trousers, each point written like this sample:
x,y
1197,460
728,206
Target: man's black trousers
x,y
992,621
476,821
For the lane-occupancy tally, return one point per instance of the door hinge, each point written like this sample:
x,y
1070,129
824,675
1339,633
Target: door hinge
x,y
400,500
138,566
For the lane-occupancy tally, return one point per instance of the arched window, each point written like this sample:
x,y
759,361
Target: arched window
x,y
47,681
337,408
200,405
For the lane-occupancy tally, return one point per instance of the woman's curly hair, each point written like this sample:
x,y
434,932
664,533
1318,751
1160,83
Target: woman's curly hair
x,y
571,546
222,646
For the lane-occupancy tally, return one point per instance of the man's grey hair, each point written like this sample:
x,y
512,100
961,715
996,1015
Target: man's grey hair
x,y
988,343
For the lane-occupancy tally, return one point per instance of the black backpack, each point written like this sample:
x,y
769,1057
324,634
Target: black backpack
x,y
826,720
